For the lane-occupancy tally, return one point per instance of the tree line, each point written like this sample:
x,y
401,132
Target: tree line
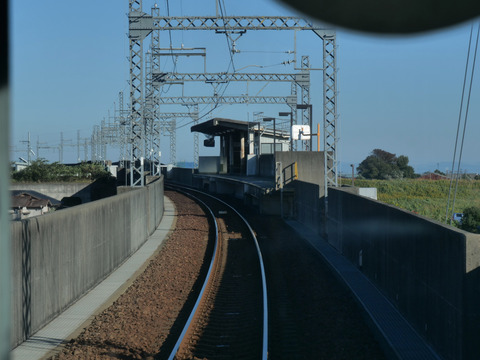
x,y
41,171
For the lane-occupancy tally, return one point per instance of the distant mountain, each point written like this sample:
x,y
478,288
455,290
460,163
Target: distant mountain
x,y
446,167
420,168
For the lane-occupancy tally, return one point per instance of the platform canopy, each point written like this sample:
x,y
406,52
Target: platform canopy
x,y
220,126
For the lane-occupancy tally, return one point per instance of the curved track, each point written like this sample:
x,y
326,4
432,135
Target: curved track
x,y
230,317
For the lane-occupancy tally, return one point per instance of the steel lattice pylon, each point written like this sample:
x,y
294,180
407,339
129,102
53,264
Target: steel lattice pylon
x,y
167,123
196,151
137,34
170,128
122,122
305,92
293,111
155,135
232,23
242,99
223,77
150,123
141,25
330,116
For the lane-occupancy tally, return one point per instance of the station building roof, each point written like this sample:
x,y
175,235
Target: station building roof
x,y
220,126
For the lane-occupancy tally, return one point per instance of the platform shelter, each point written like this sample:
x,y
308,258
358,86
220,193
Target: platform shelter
x,y
242,144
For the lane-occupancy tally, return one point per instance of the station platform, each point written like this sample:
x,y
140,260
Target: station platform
x,y
264,184
396,336
69,324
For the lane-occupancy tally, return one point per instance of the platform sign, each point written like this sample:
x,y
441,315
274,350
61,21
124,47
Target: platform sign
x,y
301,132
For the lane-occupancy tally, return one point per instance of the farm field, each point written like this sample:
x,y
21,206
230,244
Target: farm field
x,y
424,197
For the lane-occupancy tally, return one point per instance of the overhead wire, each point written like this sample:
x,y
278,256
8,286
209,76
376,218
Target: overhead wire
x,y
174,60
264,51
466,119
230,51
231,64
459,123
456,176
181,13
222,91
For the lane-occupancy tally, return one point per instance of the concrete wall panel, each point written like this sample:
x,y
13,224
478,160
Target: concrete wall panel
x,y
308,188
59,256
266,165
310,165
427,269
181,175
472,295
209,164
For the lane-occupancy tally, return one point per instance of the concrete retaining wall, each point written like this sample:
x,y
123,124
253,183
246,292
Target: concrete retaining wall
x,y
266,165
310,168
308,203
209,164
430,271
58,257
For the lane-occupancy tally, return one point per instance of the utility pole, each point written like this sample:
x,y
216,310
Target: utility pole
x,y
29,148
85,149
60,149
78,145
123,133
43,145
353,174
62,145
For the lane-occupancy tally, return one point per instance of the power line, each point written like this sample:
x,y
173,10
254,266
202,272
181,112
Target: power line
x,y
174,60
200,118
222,12
464,122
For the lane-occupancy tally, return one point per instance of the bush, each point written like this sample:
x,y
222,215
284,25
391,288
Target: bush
x,y
41,171
471,219
426,197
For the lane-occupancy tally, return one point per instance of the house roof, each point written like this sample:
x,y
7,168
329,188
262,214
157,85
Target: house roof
x,y
31,199
433,176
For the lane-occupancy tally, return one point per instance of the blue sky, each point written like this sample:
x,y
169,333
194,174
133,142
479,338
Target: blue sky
x,y
401,94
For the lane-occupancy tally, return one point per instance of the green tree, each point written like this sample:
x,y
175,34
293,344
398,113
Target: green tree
x,y
41,171
471,219
384,165
92,171
36,172
407,170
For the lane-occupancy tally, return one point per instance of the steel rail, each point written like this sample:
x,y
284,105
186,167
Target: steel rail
x,y
204,286
262,270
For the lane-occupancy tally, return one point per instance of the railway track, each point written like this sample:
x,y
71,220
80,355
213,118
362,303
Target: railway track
x,y
230,317
311,315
